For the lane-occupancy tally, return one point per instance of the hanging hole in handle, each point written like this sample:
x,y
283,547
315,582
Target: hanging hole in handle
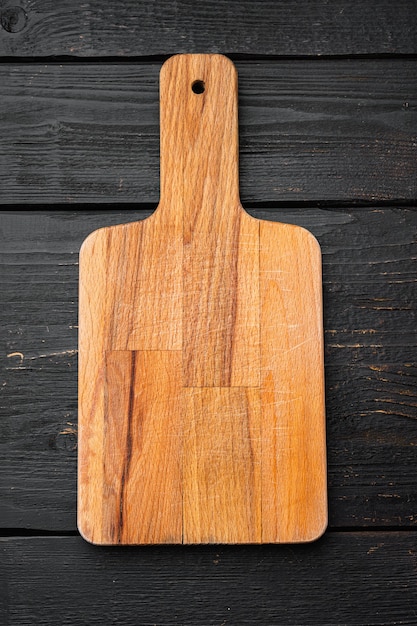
x,y
198,86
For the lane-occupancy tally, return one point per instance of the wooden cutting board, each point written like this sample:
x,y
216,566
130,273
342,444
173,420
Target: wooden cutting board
x,y
201,386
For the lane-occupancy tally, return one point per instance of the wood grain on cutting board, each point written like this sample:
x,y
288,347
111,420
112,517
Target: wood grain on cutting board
x,y
201,387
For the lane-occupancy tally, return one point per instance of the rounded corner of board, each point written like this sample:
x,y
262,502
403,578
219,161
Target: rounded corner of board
x,y
226,60
85,534
317,533
212,58
311,238
166,65
90,240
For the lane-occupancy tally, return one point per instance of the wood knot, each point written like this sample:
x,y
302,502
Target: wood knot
x,y
65,440
13,19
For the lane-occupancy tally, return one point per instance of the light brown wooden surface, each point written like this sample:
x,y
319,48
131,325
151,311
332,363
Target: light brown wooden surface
x,y
142,422
201,384
222,469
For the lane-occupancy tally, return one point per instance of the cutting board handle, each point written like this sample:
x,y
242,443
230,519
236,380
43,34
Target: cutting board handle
x,y
199,132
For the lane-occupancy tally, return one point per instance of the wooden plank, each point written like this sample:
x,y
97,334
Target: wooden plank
x,y
199,180
120,313
141,500
369,310
293,413
309,130
222,473
45,28
124,263
345,578
221,301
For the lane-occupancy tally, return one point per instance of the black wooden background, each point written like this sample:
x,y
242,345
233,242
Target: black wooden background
x,y
328,140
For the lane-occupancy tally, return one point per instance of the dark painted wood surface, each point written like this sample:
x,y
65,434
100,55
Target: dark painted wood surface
x,y
327,141
344,578
267,27
315,130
